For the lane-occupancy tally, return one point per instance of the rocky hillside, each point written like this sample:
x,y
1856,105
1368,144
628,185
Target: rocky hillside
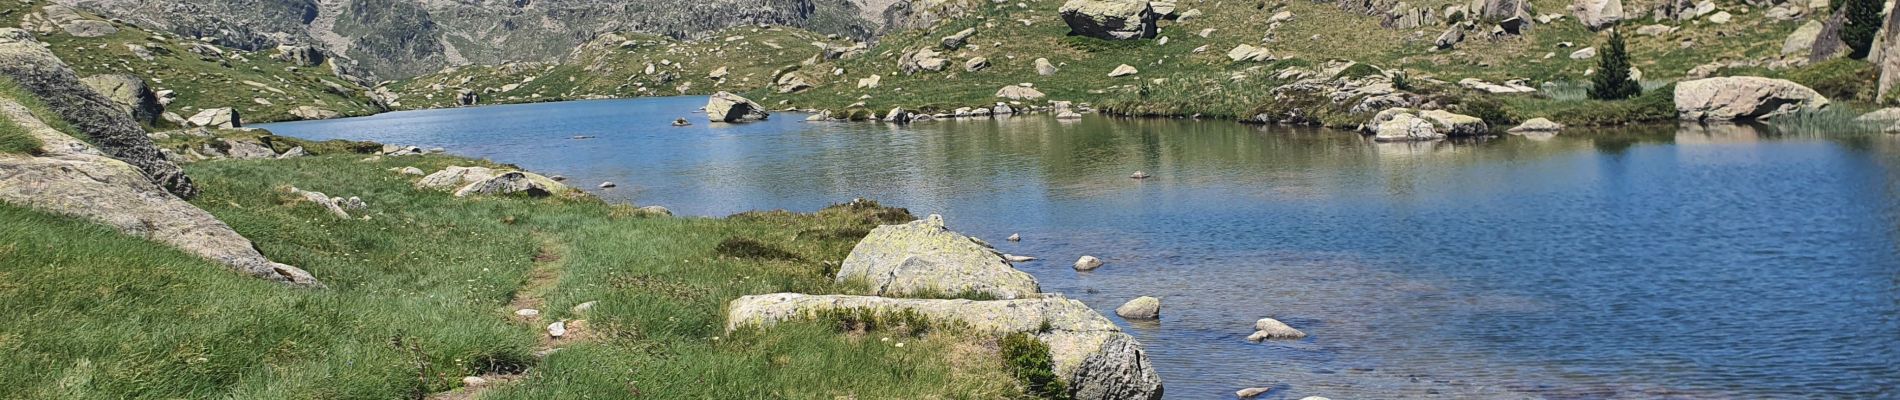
x,y
181,76
627,65
395,39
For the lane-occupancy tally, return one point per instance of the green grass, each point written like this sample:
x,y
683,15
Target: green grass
x,y
15,140
420,295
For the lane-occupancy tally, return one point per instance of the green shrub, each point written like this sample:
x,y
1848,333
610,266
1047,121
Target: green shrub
x,y
1863,23
1028,360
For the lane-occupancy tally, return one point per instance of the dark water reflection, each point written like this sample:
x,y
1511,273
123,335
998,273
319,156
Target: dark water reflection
x,y
1664,262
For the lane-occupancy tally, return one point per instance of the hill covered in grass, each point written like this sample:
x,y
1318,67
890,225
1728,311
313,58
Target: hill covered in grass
x,y
265,85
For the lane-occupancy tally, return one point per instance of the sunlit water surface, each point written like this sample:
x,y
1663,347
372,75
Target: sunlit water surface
x,y
1651,263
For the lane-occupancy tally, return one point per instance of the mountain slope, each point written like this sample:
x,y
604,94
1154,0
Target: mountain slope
x,y
402,38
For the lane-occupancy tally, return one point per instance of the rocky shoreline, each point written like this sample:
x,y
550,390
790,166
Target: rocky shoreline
x,y
1092,356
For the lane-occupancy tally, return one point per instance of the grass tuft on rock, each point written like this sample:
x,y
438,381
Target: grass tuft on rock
x,y
1027,359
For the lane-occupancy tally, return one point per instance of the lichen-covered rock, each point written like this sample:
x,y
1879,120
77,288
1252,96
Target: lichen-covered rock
x,y
130,93
1743,98
1110,19
1598,14
1405,124
455,177
925,257
71,177
511,183
43,75
728,107
1094,357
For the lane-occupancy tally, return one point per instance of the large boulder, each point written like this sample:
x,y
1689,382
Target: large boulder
x,y
1499,10
1094,357
303,56
74,24
1110,19
924,257
130,93
1743,98
1598,14
222,118
69,176
1801,42
1888,56
922,60
728,107
40,73
1405,124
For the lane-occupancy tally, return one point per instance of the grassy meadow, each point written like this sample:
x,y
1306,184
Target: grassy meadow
x,y
422,292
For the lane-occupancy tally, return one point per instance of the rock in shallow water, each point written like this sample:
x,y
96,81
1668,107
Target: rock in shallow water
x,y
1088,263
1273,329
1141,308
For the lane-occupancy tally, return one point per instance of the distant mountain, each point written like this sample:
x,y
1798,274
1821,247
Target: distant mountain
x,y
394,39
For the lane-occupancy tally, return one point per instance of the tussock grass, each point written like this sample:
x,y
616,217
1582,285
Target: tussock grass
x,y
419,291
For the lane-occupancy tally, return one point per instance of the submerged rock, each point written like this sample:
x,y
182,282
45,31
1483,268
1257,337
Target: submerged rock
x,y
1088,263
923,256
1537,125
1141,308
1273,329
1093,356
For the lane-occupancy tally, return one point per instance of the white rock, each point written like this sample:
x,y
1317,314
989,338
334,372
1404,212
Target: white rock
x,y
1088,263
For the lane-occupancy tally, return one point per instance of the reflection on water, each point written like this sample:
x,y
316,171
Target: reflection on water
x,y
1676,262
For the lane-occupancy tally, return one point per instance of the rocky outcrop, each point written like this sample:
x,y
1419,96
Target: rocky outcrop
x,y
1405,124
74,24
1887,59
484,181
220,118
513,183
922,60
1249,53
1093,356
728,107
1743,98
302,56
130,93
313,113
1110,19
71,177
43,75
1598,14
925,257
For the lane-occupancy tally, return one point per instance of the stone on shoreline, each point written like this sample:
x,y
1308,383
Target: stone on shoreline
x,y
923,256
1740,98
1537,125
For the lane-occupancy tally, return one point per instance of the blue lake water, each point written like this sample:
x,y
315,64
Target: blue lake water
x,y
1726,262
